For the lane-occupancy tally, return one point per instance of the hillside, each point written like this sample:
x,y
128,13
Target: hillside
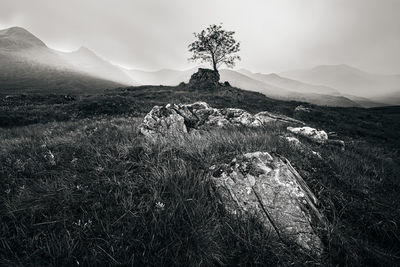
x,y
290,84
278,87
78,170
29,66
86,61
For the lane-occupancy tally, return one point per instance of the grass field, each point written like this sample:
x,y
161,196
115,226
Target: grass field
x,y
80,186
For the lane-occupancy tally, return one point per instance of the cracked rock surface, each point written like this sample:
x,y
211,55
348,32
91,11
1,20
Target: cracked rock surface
x,y
268,187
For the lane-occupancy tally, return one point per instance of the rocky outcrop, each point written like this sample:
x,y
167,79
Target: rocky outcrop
x,y
270,188
311,133
182,118
266,117
319,136
204,76
302,108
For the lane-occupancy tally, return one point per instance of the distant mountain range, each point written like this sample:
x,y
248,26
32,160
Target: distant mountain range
x,y
28,65
271,85
349,80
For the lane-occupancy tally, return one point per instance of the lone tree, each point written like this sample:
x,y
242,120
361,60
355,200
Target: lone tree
x,y
216,46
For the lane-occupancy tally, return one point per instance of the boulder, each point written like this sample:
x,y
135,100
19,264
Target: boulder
x,y
268,187
302,108
293,140
226,84
163,120
182,118
204,76
311,133
265,117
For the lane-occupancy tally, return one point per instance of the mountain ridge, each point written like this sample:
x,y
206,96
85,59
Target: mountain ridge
x,y
348,80
29,65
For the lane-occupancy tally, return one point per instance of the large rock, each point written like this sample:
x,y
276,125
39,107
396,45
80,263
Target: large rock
x,y
271,189
182,118
265,117
302,108
163,120
311,133
204,76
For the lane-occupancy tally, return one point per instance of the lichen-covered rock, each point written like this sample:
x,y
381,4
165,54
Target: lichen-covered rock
x,y
293,140
271,189
199,115
266,117
204,76
302,108
163,120
311,133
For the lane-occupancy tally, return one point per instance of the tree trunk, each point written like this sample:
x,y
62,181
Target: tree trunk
x,y
214,63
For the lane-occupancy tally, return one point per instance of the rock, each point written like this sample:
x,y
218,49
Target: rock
x,y
302,108
271,189
226,84
183,118
293,140
206,76
69,97
311,133
163,120
265,117
317,154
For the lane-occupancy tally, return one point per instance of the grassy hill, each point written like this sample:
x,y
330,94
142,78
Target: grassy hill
x,y
80,185
26,76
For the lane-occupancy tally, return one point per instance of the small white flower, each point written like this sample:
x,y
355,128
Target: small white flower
x,y
99,169
74,161
49,156
160,205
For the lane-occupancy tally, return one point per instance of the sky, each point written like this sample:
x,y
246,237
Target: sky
x,y
275,35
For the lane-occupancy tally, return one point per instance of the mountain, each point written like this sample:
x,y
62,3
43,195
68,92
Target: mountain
x,y
348,80
290,84
28,65
88,62
245,82
16,38
161,77
390,99
277,87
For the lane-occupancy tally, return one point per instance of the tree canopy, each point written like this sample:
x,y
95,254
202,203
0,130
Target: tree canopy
x,y
216,46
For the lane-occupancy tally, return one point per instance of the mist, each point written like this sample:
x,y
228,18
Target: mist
x,y
275,35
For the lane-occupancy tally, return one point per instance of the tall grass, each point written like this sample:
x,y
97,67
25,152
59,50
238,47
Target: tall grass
x,y
95,192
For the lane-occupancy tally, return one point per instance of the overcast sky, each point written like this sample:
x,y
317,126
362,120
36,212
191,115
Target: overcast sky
x,y
275,35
